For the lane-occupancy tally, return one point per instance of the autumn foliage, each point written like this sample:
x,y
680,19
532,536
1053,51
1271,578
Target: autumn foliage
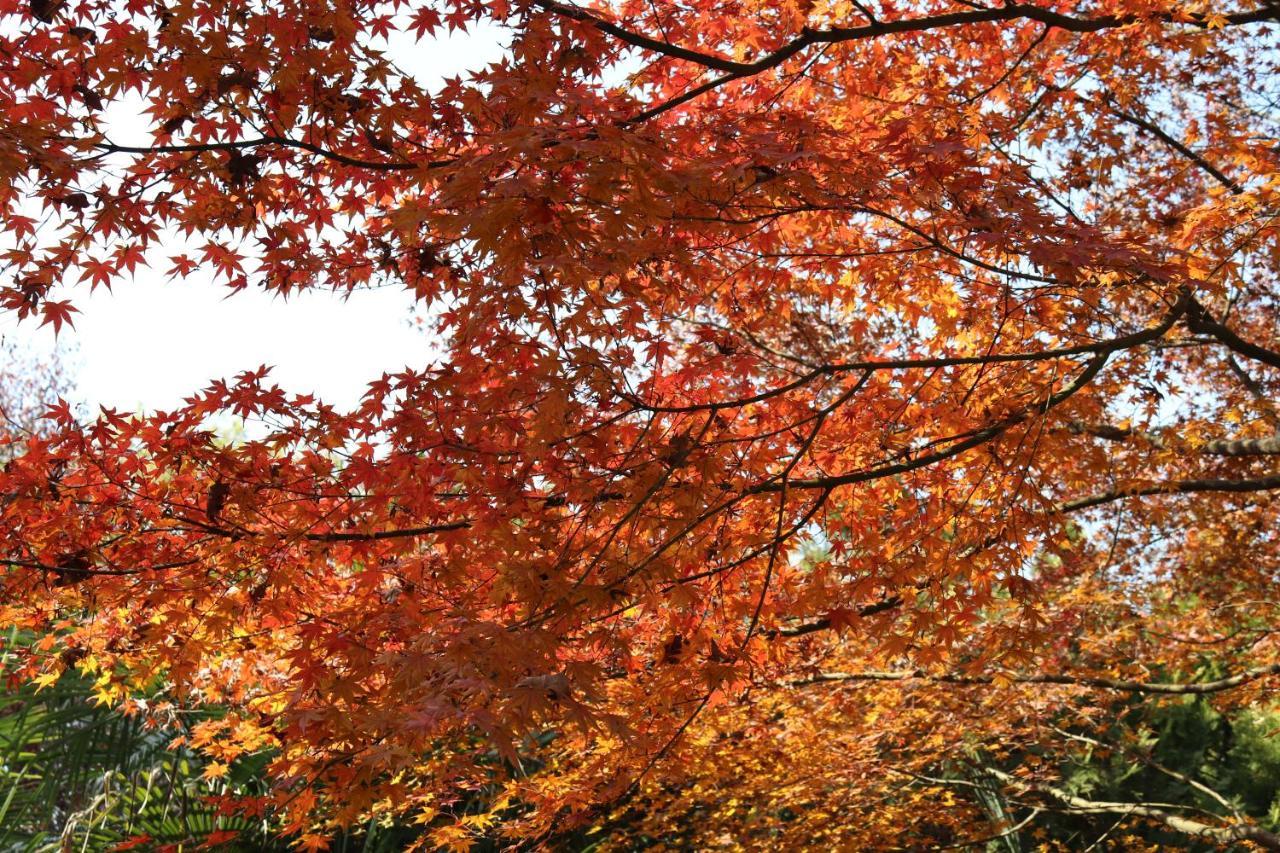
x,y
832,397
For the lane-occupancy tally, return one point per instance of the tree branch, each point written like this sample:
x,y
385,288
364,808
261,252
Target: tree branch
x,y
1091,370
1177,487
872,365
1231,834
1269,446
1198,688
1199,320
285,142
1158,132
1155,765
354,536
825,623
876,29
735,70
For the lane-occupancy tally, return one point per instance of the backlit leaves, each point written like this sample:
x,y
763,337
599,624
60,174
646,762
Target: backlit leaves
x,y
775,340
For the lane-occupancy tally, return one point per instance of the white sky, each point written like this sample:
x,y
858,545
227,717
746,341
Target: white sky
x,y
150,343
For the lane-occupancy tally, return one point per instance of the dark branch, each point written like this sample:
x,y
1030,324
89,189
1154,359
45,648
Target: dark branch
x,y
825,624
1158,132
1097,347
1269,446
282,141
1177,487
876,29
1195,688
354,536
1200,321
1091,370
1229,835
736,70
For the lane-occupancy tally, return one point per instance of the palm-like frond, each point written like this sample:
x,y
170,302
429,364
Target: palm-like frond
x,y
79,776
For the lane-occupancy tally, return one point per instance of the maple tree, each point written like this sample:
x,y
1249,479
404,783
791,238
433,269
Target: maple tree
x,y
974,304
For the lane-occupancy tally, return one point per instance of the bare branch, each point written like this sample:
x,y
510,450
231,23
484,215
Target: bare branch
x,y
1196,688
1232,834
1177,487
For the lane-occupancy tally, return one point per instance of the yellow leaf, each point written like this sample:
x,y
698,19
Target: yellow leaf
x,y
215,770
46,679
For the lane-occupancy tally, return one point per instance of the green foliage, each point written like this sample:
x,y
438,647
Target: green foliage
x,y
1253,765
75,775
79,775
1172,752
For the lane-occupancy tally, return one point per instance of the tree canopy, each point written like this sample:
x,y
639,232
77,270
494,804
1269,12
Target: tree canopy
x,y
835,400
